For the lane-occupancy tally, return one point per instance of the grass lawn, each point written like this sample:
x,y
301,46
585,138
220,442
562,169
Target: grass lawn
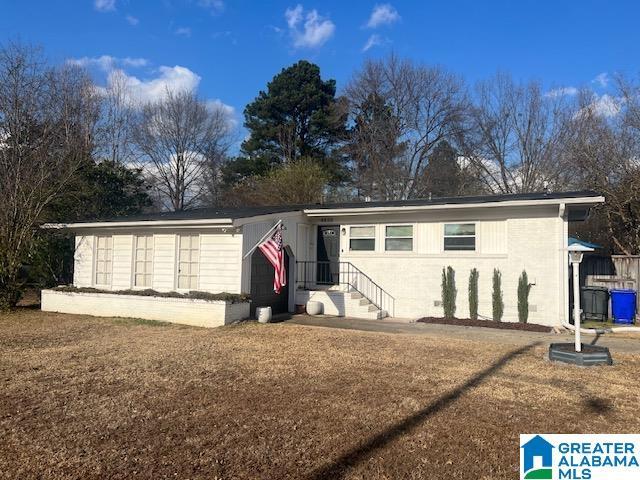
x,y
111,398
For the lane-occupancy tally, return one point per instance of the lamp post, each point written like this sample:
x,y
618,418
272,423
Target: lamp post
x,y
576,252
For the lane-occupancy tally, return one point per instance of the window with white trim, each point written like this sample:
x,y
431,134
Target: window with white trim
x,y
143,261
398,238
104,256
188,261
362,238
460,236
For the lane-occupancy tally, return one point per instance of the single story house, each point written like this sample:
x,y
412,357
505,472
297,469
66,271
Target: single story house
x,y
369,259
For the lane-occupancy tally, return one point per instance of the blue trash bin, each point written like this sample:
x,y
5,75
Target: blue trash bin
x,y
623,306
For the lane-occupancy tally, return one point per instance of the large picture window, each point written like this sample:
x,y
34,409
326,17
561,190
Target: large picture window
x,y
398,238
362,238
142,276
104,255
188,261
460,236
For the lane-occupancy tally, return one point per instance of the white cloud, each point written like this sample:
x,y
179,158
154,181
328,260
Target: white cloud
x,y
606,106
132,20
104,5
183,31
562,92
602,79
172,79
215,6
310,30
108,63
374,40
602,106
227,110
384,14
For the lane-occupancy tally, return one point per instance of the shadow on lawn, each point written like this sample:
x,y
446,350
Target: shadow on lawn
x,y
338,467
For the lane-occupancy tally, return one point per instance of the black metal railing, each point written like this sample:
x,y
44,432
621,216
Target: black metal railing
x,y
310,275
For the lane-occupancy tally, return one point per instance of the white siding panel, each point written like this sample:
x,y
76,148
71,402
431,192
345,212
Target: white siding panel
x,y
220,256
164,258
83,261
122,262
492,237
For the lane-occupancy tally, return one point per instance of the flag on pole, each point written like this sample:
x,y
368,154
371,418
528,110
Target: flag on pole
x,y
272,249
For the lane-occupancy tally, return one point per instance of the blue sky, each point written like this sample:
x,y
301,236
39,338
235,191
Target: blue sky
x,y
229,49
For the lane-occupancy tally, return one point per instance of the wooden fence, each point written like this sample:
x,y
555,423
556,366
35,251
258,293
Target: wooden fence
x,y
626,276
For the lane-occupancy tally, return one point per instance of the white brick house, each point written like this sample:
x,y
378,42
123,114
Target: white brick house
x,y
359,259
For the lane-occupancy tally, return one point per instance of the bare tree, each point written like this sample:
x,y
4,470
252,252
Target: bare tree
x,y
116,122
47,121
603,149
177,138
514,136
421,105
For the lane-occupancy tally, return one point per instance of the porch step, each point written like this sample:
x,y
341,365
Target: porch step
x,y
346,304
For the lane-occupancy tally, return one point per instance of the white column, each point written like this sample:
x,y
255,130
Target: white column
x,y
576,303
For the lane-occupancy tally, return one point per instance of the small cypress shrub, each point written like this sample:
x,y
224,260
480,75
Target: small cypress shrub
x,y
449,292
473,294
523,297
496,297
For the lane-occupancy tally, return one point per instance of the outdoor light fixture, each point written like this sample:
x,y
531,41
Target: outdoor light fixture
x,y
576,252
344,231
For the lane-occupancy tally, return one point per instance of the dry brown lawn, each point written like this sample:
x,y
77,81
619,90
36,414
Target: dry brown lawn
x,y
109,398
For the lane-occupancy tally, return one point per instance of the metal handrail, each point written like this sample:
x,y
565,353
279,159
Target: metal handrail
x,y
313,273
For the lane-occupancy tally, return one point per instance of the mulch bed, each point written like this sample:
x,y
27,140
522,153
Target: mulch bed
x,y
467,322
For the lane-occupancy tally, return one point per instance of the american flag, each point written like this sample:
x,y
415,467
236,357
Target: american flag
x,y
272,249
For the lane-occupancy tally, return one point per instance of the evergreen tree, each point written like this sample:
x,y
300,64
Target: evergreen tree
x,y
374,146
449,292
473,294
496,297
442,173
297,116
524,287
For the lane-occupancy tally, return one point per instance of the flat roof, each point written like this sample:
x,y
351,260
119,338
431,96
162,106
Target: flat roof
x,y
227,215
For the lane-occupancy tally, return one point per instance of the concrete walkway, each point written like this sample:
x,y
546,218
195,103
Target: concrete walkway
x,y
489,335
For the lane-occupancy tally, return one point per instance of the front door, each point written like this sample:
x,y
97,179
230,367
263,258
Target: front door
x,y
328,255
262,294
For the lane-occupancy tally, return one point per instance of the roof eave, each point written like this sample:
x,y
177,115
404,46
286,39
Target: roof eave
x,y
586,201
205,222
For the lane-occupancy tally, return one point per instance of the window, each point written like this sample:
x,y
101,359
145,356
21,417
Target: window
x,y
460,236
362,238
399,237
143,266
104,253
188,261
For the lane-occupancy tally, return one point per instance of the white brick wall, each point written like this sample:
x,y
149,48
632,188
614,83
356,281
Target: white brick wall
x,y
529,240
184,311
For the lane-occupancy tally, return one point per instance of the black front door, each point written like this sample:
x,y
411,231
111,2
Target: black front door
x,y
328,255
262,294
